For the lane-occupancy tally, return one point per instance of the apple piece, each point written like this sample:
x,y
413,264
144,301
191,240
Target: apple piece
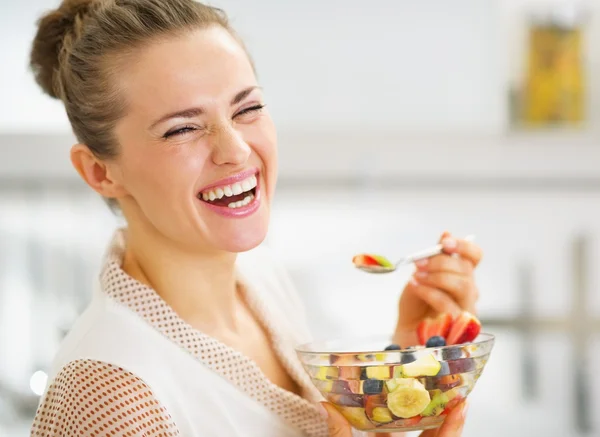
x,y
325,373
373,406
434,326
378,372
356,416
464,329
424,366
382,415
325,386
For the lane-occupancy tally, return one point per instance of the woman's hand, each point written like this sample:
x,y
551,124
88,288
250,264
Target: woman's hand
x,y
452,426
441,284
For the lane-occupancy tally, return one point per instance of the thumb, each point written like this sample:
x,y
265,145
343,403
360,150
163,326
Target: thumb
x,y
338,425
445,235
452,426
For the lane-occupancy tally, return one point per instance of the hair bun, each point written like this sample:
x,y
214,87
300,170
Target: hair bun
x,y
55,29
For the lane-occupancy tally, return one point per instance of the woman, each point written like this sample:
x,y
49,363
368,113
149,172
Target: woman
x,y
193,327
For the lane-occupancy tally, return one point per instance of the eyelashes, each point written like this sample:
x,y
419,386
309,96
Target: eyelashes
x,y
190,128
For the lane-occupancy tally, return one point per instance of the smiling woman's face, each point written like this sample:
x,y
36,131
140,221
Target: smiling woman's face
x,y
197,159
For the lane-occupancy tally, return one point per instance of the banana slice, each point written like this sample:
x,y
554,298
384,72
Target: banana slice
x,y
408,399
424,366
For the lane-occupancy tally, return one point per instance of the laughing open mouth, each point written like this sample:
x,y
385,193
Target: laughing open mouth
x,y
236,195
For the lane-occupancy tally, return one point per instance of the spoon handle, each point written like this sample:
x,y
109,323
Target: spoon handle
x,y
428,253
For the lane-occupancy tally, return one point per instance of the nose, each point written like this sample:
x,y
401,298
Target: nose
x,y
229,147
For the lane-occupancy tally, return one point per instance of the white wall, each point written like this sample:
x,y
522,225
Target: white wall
x,y
387,65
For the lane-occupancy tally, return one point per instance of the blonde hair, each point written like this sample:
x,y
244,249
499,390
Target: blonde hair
x,y
81,46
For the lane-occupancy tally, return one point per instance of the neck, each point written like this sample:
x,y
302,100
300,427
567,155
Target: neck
x,y
199,286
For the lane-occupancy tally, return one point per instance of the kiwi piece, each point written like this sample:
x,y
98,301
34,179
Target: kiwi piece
x,y
438,403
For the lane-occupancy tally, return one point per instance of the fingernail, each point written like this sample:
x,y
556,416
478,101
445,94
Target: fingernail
x,y
449,243
422,263
421,275
465,410
323,411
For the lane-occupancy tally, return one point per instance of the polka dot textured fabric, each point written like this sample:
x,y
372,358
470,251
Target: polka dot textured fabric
x,y
90,398
79,396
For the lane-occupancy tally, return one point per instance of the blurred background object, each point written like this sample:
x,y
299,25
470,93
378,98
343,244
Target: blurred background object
x,y
555,84
397,120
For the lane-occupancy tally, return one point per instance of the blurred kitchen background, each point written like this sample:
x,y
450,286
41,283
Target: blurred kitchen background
x,y
397,120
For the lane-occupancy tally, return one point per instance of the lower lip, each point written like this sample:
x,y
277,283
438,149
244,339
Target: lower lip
x,y
241,212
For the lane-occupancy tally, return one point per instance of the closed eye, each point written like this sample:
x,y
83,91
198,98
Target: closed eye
x,y
249,110
179,131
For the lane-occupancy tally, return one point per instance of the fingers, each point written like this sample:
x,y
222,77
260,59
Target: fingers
x,y
440,301
466,249
460,287
338,425
453,424
445,263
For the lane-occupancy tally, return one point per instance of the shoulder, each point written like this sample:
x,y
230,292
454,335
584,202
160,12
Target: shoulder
x,y
95,398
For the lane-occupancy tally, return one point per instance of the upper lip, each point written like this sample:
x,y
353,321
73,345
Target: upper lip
x,y
231,179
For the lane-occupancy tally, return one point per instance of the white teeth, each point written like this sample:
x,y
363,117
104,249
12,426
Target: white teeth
x,y
237,189
231,190
241,203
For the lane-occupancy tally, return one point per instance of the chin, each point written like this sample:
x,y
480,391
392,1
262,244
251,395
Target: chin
x,y
240,235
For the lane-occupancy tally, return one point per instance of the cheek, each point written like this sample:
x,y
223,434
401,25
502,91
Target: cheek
x,y
166,173
264,141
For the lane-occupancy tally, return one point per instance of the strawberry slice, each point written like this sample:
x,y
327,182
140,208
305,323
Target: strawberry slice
x,y
365,260
413,421
465,329
432,326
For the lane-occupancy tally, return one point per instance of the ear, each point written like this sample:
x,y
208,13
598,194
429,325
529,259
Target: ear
x,y
99,174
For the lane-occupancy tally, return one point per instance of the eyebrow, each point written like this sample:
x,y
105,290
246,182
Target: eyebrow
x,y
194,112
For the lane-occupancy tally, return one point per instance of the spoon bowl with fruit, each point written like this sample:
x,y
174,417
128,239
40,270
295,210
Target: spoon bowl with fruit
x,y
381,387
372,263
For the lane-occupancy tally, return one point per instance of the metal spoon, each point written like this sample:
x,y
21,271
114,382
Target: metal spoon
x,y
422,254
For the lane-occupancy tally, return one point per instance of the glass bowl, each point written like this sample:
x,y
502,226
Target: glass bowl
x,y
396,390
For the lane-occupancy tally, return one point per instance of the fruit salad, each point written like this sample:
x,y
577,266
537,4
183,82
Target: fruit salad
x,y
405,388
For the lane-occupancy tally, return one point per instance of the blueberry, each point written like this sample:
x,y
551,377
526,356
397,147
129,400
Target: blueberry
x,y
393,347
407,357
436,341
372,387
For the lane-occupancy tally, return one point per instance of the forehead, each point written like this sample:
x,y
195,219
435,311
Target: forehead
x,y
196,66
